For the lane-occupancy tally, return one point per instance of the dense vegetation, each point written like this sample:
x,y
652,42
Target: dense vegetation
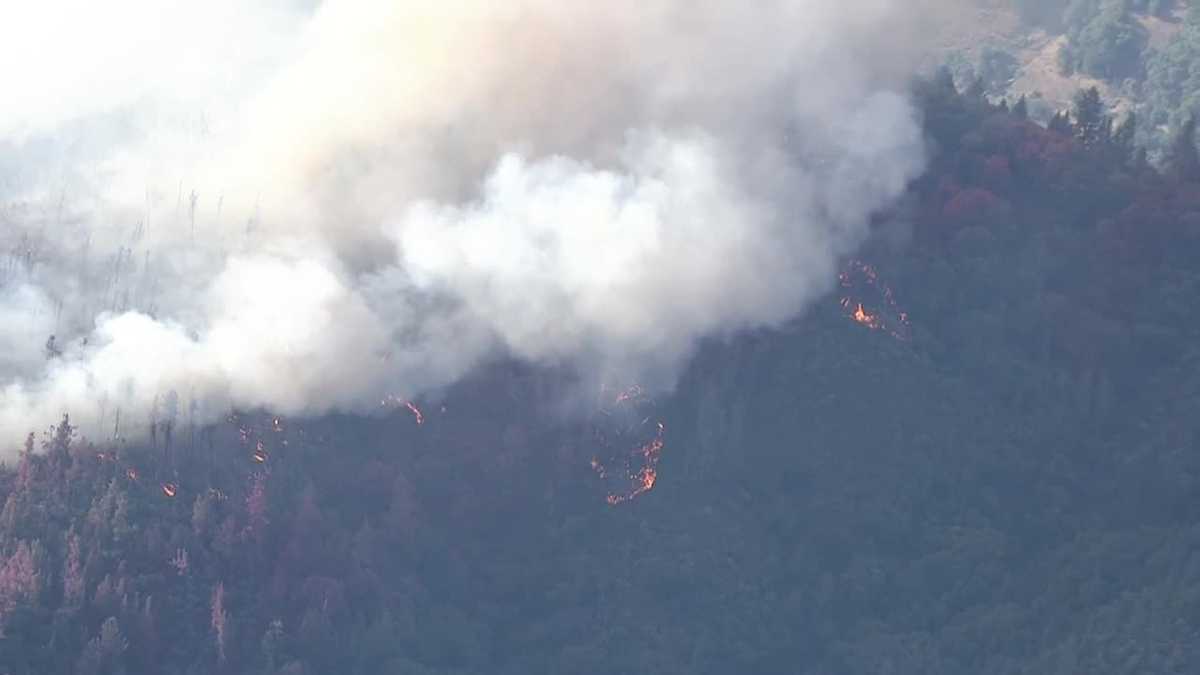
x,y
1008,485
1106,39
1172,87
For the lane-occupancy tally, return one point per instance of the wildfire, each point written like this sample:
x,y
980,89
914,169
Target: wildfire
x,y
856,276
170,489
645,477
412,407
861,315
640,466
260,452
415,411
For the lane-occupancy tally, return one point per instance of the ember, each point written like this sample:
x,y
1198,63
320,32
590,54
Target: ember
x,y
860,277
626,421
415,411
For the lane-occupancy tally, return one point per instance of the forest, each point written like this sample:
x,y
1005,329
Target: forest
x,y
978,456
1147,52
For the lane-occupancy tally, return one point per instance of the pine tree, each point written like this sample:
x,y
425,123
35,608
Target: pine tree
x,y
1091,124
1183,159
944,80
272,645
73,581
977,90
1123,137
1021,108
220,621
1060,123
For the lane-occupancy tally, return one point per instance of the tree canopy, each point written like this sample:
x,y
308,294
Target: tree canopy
x,y
976,456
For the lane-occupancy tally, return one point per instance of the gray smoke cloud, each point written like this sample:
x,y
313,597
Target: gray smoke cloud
x,y
312,206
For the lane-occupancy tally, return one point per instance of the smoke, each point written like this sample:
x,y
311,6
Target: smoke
x,y
312,206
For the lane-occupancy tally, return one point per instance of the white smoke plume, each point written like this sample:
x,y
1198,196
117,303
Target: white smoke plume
x,y
308,206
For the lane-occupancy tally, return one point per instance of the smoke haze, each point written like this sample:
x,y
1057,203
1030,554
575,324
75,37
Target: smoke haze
x,y
310,206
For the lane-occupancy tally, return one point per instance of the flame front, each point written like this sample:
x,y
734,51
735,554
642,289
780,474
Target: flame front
x,y
392,399
415,411
859,274
646,476
641,465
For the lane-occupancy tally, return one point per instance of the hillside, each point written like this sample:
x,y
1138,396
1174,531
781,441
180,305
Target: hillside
x,y
977,456
1137,54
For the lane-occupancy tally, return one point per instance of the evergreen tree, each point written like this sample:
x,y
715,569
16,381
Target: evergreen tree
x,y
1091,123
1123,137
976,90
1183,158
1021,108
1060,123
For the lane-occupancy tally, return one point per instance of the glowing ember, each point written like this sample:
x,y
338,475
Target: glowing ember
x,y
866,318
391,399
170,489
645,475
415,411
860,276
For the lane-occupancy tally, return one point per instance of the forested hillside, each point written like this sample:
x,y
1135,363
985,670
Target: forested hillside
x,y
978,456
1143,54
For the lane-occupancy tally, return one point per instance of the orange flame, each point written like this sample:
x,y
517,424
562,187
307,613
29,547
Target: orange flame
x,y
646,476
858,312
866,318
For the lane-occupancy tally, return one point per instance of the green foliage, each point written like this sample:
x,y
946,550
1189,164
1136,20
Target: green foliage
x,y
1092,124
1105,40
1172,87
1183,161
